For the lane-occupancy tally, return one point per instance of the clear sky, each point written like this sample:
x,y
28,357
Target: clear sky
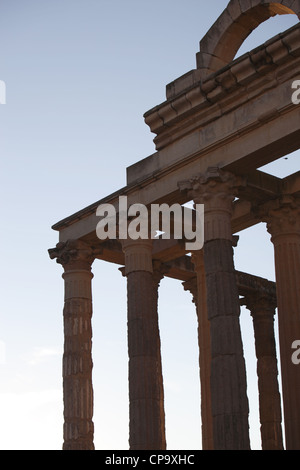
x,y
79,76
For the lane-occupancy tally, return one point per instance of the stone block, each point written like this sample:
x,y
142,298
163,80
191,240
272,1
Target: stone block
x,y
181,104
182,83
255,3
292,42
208,86
203,60
227,80
243,70
211,40
167,113
278,51
246,5
229,46
196,97
234,9
217,63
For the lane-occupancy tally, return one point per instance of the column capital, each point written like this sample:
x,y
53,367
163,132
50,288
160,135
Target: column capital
x,y
216,189
159,271
73,254
260,304
281,215
138,255
192,287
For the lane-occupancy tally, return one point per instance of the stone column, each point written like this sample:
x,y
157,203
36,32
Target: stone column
x,y
76,258
197,286
283,223
216,189
159,270
146,408
262,308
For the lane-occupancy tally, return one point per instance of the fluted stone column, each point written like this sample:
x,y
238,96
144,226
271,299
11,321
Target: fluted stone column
x,y
76,258
283,223
216,189
262,308
146,407
159,270
197,286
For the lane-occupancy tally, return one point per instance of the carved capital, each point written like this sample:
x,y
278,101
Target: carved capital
x,y
260,304
284,217
216,189
138,255
122,271
281,215
73,254
159,271
192,287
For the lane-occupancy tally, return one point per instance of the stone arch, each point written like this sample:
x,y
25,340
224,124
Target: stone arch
x,y
221,43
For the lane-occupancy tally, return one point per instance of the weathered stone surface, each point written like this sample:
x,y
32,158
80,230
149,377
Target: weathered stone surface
x,y
228,375
262,307
229,402
283,222
76,258
197,286
146,400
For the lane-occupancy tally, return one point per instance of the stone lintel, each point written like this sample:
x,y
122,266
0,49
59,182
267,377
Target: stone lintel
x,y
260,187
183,269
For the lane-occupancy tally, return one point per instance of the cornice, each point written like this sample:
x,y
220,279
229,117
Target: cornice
x,y
230,87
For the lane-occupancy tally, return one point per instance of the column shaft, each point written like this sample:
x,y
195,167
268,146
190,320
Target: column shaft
x,y
76,258
204,341
284,226
262,309
146,409
229,403
228,374
77,362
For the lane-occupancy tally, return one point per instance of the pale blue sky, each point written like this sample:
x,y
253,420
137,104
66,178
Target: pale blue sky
x,y
79,75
